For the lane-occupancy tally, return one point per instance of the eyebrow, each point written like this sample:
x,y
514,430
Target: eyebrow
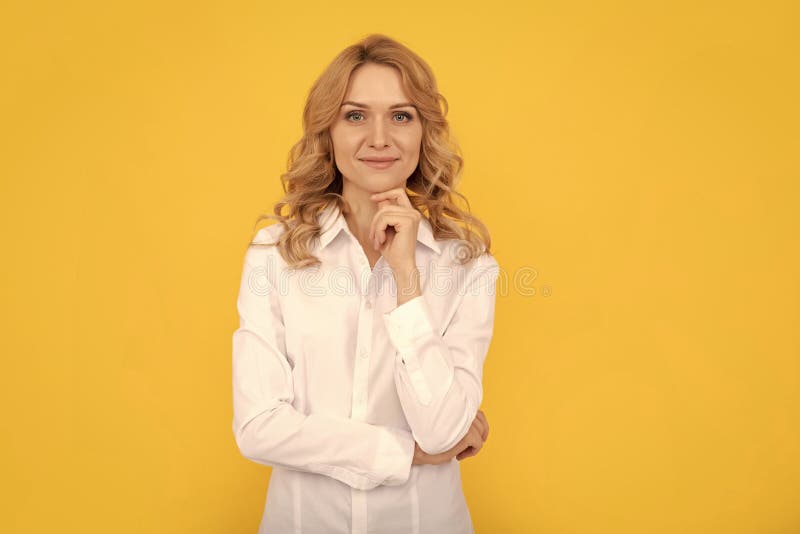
x,y
356,104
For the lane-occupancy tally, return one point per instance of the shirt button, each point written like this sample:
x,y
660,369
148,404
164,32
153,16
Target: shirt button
x,y
364,353
369,304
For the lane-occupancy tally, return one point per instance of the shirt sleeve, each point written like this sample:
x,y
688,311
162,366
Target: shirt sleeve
x,y
439,377
268,430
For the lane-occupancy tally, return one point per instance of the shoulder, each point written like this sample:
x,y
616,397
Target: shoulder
x,y
262,252
482,270
268,234
453,250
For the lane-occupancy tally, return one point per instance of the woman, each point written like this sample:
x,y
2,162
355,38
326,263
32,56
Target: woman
x,y
366,315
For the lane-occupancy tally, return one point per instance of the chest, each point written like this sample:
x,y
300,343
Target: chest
x,y
339,308
371,254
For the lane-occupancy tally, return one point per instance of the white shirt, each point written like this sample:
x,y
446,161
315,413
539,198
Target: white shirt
x,y
333,383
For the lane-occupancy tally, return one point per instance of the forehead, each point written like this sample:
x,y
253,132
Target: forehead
x,y
376,84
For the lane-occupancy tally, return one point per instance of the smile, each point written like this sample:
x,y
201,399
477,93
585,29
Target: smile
x,y
378,164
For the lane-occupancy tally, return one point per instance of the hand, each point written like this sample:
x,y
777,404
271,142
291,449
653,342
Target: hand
x,y
481,426
394,229
469,445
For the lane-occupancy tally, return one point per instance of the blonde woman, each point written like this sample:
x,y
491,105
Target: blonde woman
x,y
367,313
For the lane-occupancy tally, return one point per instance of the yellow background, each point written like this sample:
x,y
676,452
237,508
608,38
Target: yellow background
x,y
639,160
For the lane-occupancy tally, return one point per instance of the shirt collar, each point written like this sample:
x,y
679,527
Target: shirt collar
x,y
332,222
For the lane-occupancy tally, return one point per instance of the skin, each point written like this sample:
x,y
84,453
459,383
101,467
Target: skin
x,y
378,211
469,445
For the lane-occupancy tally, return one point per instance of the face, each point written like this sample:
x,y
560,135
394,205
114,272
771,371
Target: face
x,y
376,121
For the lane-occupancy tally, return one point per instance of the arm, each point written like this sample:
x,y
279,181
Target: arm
x,y
439,377
270,431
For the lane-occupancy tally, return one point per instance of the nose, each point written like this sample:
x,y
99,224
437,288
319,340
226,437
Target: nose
x,y
377,134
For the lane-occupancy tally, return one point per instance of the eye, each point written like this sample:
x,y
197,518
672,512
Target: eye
x,y
349,116
408,116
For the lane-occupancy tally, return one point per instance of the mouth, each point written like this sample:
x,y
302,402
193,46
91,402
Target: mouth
x,y
378,163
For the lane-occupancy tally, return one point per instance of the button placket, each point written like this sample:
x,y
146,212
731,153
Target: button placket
x,y
361,367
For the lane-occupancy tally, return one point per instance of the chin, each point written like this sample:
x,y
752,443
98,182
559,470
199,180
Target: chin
x,y
378,182
381,180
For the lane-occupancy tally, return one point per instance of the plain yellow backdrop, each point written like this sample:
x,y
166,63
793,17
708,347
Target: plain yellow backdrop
x,y
636,163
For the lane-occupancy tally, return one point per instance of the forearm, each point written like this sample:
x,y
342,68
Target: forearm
x,y
270,431
407,280
356,453
438,375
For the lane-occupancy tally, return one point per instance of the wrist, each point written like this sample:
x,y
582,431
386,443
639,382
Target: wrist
x,y
407,280
405,271
417,458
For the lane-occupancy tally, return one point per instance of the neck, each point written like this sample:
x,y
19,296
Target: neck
x,y
359,212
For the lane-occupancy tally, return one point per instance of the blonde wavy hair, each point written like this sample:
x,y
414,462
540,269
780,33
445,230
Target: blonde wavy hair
x,y
312,181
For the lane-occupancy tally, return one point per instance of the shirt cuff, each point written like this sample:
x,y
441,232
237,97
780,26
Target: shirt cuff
x,y
395,455
418,345
407,323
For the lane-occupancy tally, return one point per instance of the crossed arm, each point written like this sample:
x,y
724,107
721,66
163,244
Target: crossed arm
x,y
437,378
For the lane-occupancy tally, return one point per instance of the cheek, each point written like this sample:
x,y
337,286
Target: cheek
x,y
411,147
344,153
345,145
342,148
413,140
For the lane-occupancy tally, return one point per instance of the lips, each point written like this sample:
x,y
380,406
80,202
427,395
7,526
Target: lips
x,y
379,163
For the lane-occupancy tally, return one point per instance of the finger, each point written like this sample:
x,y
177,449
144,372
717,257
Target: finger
x,y
474,439
466,453
479,426
399,220
470,445
478,438
374,230
467,446
485,422
397,194
381,204
461,446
